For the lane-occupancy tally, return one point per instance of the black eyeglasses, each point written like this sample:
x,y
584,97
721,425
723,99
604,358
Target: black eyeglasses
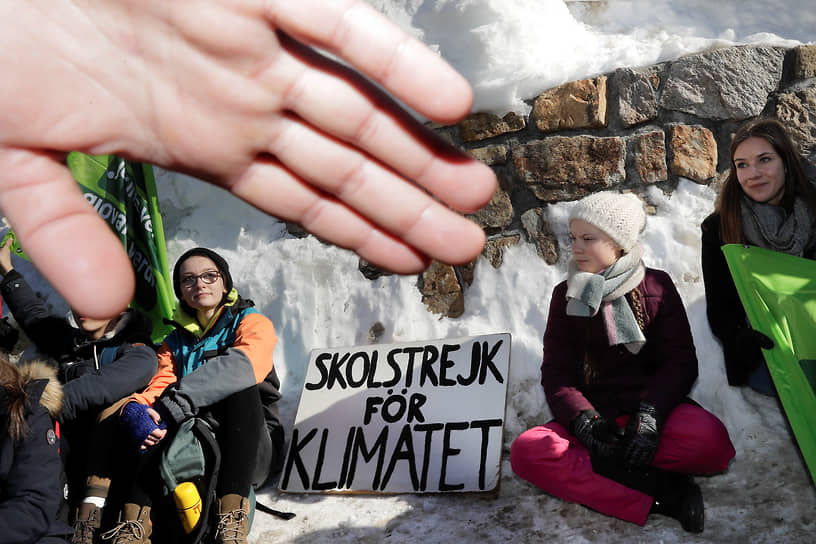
x,y
211,276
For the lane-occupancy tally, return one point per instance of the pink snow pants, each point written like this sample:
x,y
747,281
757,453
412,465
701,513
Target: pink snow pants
x,y
693,441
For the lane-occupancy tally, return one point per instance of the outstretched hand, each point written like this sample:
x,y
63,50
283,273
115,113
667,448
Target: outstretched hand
x,y
234,93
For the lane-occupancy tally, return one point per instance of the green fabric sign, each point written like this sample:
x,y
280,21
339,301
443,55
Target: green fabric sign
x,y
124,195
778,292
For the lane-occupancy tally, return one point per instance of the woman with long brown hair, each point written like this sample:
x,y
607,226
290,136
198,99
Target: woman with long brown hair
x,y
766,201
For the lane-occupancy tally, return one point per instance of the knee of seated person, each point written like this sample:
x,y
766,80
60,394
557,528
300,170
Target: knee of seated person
x,y
708,429
713,459
722,449
706,441
536,445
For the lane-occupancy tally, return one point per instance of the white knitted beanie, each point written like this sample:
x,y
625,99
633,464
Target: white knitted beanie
x,y
620,215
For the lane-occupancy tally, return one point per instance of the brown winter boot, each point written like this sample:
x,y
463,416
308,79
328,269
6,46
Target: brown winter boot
x,y
87,522
233,519
134,526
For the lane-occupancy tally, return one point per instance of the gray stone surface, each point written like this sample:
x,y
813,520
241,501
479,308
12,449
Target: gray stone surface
x,y
731,83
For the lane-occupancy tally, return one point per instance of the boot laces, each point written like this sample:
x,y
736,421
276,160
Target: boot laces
x,y
232,526
126,532
84,529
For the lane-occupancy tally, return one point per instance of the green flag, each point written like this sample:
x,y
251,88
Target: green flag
x,y
124,194
778,292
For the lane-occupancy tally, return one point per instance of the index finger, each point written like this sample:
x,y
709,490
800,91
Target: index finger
x,y
360,35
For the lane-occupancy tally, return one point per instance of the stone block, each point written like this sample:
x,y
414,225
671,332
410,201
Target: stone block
x,y
567,168
730,83
649,156
574,105
637,96
481,126
694,152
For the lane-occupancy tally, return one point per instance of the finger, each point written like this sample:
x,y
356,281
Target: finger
x,y
376,211
370,120
357,33
764,341
64,237
324,216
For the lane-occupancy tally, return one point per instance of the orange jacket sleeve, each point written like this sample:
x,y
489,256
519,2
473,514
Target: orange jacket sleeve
x,y
165,375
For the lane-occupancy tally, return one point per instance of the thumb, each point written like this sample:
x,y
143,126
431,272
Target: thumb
x,y
65,238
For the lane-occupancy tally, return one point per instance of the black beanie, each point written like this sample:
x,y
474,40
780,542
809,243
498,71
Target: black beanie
x,y
219,261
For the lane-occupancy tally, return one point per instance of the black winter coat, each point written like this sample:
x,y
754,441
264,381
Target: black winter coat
x,y
96,373
30,468
726,314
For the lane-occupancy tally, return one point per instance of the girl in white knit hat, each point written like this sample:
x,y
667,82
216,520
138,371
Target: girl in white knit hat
x,y
619,362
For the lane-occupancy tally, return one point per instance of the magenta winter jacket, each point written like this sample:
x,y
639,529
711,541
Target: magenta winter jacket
x,y
662,373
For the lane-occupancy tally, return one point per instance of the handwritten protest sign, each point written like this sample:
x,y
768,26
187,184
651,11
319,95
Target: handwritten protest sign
x,y
415,417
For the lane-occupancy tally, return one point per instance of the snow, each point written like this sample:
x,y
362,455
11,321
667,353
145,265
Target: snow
x,y
511,50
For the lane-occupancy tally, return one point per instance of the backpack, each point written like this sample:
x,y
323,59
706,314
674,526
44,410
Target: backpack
x,y
192,456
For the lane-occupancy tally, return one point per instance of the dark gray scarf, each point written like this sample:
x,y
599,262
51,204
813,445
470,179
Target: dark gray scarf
x,y
771,227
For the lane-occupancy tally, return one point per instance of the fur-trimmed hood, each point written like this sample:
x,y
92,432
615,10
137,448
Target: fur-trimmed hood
x,y
51,397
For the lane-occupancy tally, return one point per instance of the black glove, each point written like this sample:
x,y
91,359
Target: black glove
x,y
642,435
750,340
599,435
743,354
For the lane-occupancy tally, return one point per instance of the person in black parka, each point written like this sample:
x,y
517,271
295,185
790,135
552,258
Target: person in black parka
x,y
30,483
99,362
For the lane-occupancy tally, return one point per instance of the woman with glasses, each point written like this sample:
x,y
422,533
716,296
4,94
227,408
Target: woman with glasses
x,y
217,364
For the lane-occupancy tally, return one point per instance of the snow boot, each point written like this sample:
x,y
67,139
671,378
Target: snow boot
x,y
233,520
680,498
87,521
134,526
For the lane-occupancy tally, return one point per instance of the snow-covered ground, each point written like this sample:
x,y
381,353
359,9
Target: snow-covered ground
x,y
511,50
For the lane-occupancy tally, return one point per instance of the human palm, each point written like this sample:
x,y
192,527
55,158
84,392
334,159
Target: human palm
x,y
237,94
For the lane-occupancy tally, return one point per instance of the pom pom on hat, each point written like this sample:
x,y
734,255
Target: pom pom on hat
x,y
620,215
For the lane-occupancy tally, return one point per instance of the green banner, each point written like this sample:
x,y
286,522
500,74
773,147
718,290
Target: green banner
x,y
124,195
778,292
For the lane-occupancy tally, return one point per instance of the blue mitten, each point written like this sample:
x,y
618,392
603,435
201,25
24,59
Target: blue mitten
x,y
137,424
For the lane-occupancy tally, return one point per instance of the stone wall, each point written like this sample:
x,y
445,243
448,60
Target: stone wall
x,y
623,130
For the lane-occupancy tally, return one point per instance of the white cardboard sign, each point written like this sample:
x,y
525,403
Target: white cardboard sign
x,y
419,417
